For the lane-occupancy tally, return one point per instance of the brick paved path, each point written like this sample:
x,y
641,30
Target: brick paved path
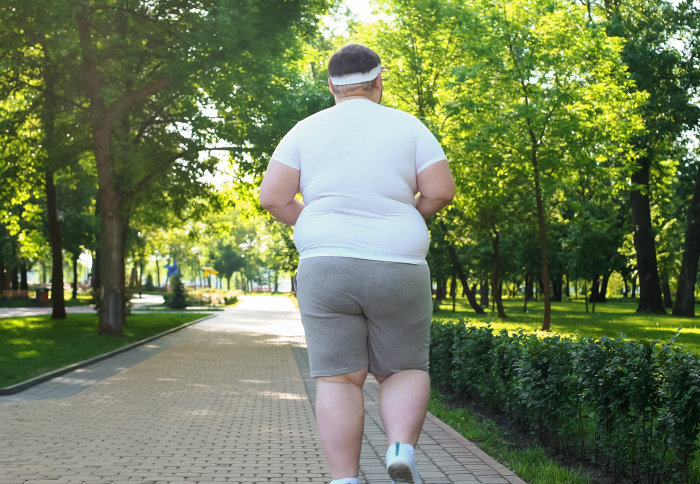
x,y
223,400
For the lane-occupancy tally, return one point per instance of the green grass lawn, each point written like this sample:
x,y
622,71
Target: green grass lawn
x,y
570,318
33,345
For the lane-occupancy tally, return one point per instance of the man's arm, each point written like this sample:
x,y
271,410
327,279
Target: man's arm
x,y
277,191
436,188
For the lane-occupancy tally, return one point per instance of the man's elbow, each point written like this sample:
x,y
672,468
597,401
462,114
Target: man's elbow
x,y
268,201
448,192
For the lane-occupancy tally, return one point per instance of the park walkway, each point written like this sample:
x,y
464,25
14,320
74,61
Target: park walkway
x,y
223,400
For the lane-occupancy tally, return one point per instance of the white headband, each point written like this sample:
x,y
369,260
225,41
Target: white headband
x,y
356,77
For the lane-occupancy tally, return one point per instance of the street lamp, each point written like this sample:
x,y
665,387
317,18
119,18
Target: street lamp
x,y
156,253
244,247
245,277
195,251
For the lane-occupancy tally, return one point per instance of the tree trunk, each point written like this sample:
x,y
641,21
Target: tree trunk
x,y
95,273
496,286
3,280
462,276
440,287
594,293
484,293
557,288
603,293
23,286
542,225
111,305
141,264
14,277
650,298
594,290
528,291
58,302
112,275
453,290
666,291
75,278
685,292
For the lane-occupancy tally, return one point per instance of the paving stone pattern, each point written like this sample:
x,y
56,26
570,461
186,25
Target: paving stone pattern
x,y
223,400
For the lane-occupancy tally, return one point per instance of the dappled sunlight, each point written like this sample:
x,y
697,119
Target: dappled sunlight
x,y
571,319
203,412
283,395
199,385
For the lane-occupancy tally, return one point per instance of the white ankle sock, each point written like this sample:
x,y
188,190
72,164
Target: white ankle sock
x,y
401,448
347,480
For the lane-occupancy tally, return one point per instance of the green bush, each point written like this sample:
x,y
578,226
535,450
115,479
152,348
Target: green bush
x,y
149,286
633,407
178,298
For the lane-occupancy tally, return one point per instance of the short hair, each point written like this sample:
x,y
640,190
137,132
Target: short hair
x,y
350,59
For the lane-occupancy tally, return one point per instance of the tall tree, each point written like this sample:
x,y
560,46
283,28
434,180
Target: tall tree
x,y
669,75
41,73
687,279
148,69
542,81
415,39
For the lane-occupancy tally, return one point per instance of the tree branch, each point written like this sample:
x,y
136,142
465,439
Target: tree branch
x,y
118,108
147,124
158,170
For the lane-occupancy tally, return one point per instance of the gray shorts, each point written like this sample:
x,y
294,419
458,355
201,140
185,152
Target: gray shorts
x,y
360,313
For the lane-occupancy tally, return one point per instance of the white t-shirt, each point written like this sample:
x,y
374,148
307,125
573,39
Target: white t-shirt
x,y
358,163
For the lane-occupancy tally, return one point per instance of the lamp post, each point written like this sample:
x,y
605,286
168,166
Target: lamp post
x,y
245,277
244,247
155,252
195,251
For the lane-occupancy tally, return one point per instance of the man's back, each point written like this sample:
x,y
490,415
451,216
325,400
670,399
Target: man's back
x,y
358,163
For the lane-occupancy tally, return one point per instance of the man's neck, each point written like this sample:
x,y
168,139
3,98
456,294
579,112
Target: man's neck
x,y
373,96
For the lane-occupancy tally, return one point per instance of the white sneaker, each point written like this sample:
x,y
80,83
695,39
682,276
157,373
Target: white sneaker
x,y
401,464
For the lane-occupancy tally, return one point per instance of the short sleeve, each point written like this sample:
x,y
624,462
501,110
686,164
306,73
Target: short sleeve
x,y
428,149
287,151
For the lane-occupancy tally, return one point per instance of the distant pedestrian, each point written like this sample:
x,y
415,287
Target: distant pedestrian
x,y
363,283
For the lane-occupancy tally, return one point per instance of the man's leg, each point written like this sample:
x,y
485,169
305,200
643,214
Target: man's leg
x,y
340,413
403,403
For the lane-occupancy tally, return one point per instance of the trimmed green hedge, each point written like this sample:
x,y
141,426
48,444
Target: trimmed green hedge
x,y
630,406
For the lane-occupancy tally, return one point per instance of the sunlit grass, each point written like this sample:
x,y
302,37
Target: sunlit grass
x,y
30,346
570,318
